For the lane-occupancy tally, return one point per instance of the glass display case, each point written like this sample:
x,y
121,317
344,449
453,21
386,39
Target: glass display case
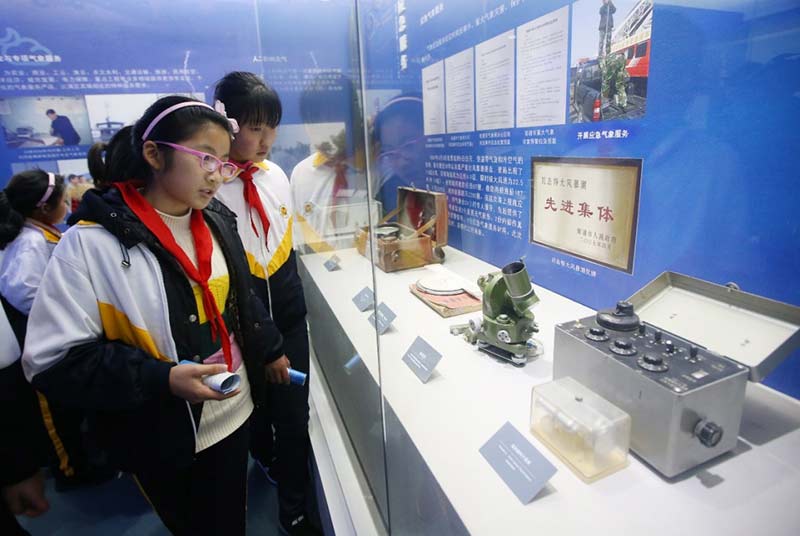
x,y
472,182
596,145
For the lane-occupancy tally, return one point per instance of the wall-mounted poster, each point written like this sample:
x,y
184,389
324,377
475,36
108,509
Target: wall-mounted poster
x,y
459,72
587,207
433,98
542,69
610,64
494,82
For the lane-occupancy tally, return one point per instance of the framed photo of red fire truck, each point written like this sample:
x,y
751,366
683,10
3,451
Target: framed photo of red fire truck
x,y
610,59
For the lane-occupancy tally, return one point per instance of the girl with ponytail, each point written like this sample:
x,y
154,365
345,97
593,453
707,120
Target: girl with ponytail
x,y
154,298
36,197
31,205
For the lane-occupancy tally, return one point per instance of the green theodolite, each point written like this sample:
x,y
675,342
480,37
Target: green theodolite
x,y
507,327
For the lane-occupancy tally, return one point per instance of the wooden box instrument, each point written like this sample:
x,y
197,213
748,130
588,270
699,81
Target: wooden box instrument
x,y
417,236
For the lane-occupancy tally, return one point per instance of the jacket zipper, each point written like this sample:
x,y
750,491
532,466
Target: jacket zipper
x,y
266,275
165,309
264,246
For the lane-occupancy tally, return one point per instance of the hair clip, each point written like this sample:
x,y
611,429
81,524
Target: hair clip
x,y
219,106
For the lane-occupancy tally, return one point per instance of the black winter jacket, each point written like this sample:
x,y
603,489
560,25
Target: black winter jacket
x,y
126,390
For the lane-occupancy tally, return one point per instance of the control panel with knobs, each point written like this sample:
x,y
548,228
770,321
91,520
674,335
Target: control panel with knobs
x,y
685,401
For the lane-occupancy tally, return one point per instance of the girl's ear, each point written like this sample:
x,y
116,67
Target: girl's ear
x,y
153,157
41,213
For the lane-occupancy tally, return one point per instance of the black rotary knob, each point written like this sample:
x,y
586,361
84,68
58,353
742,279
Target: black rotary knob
x,y
653,360
625,308
623,347
657,335
596,334
622,318
622,344
653,363
670,347
709,433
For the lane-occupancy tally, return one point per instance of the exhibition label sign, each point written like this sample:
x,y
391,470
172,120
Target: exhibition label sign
x,y
523,468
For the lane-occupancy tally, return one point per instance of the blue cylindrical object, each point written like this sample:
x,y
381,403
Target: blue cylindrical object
x,y
296,377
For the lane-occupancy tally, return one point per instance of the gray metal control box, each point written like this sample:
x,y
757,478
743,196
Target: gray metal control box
x,y
666,406
685,399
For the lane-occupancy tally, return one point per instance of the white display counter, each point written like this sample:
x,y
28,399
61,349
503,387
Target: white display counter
x,y
470,396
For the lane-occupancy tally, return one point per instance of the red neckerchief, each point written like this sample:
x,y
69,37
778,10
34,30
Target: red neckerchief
x,y
251,197
339,165
204,247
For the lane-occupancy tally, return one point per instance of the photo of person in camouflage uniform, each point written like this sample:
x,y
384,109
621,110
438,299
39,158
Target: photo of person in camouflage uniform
x,y
615,79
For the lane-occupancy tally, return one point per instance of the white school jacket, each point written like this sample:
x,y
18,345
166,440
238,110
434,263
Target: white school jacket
x,y
128,304
319,216
273,263
265,257
24,262
9,349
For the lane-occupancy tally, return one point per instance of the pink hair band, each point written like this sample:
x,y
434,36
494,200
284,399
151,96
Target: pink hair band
x,y
51,184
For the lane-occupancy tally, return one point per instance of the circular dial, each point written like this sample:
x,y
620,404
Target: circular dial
x,y
440,286
708,433
653,363
623,347
596,334
622,318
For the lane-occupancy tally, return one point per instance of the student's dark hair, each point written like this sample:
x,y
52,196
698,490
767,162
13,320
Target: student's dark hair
x,y
248,99
49,111
129,163
112,161
19,199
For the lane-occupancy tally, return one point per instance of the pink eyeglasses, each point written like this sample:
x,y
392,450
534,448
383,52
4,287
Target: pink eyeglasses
x,y
208,162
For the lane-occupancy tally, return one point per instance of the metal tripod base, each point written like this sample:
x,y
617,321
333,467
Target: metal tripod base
x,y
501,354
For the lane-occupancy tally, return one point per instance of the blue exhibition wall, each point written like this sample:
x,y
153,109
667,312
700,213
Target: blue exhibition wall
x,y
712,101
713,127
100,63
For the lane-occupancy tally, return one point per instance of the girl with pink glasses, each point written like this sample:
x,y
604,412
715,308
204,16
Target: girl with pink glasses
x,y
146,300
